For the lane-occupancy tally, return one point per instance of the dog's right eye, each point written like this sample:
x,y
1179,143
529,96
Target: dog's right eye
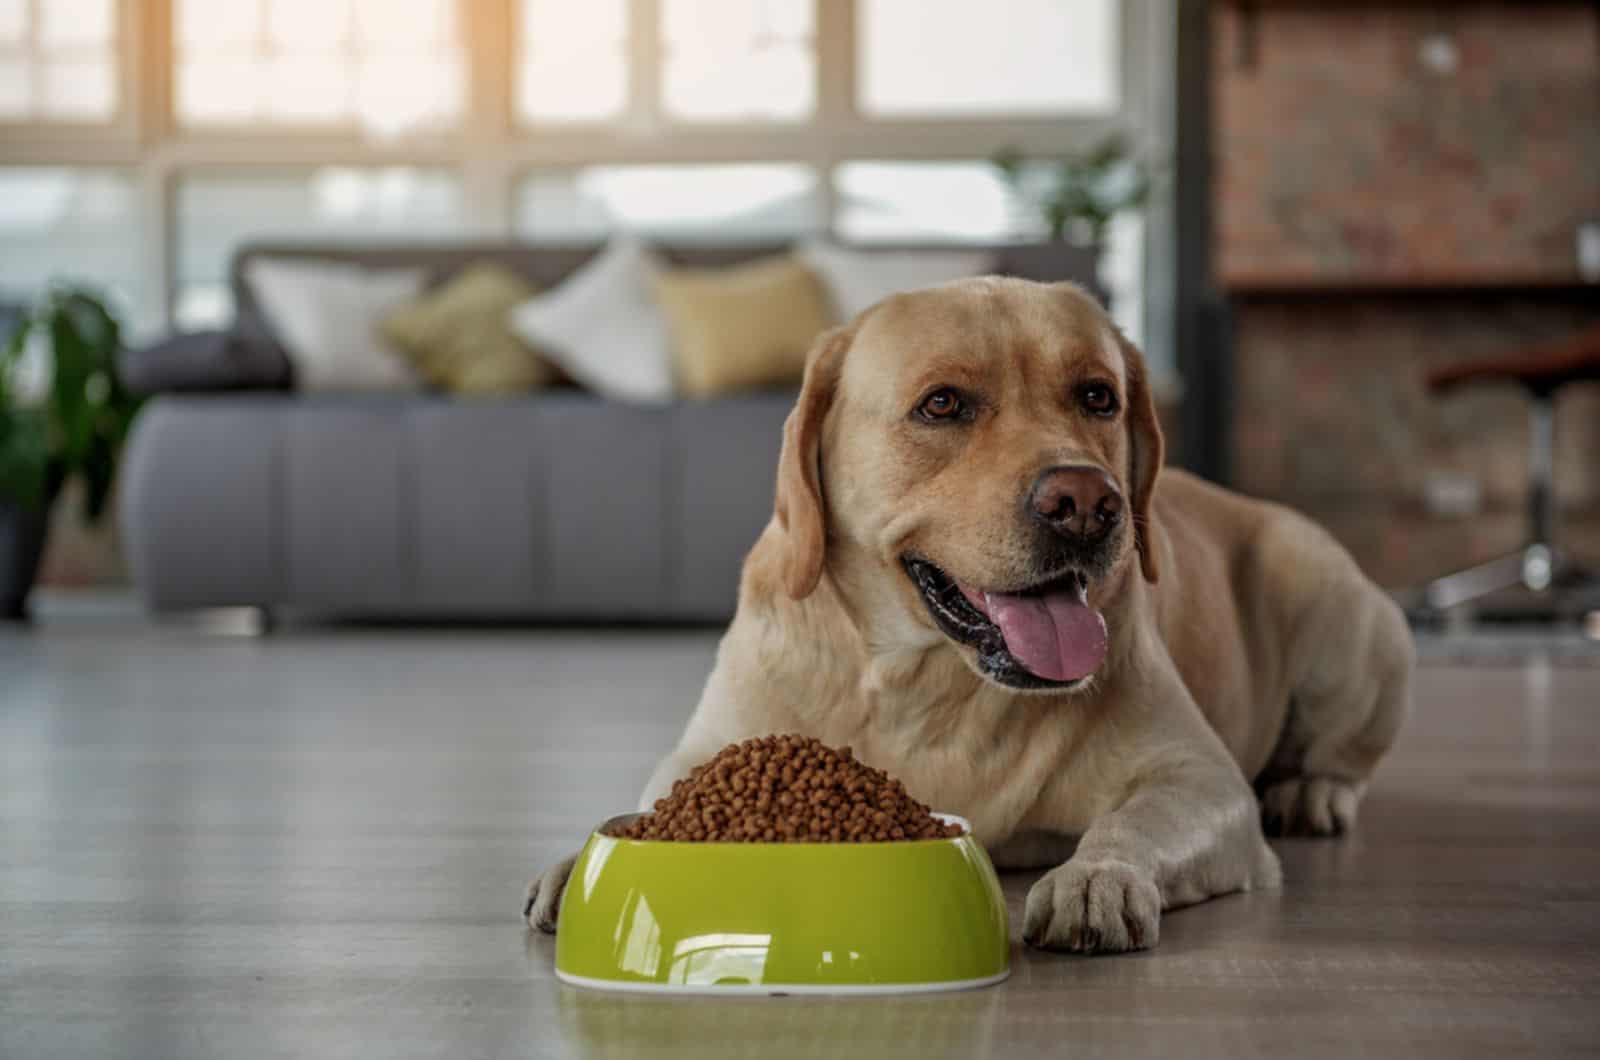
x,y
941,404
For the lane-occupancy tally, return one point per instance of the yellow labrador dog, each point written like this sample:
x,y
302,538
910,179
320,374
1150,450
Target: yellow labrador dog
x,y
979,577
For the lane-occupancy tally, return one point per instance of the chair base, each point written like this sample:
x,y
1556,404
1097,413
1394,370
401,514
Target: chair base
x,y
1553,584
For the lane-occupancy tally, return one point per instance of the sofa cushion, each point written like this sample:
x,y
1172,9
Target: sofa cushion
x,y
458,337
857,279
602,327
555,505
742,326
724,469
204,360
326,316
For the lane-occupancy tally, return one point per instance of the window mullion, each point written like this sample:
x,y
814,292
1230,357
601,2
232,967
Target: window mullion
x,y
835,56
152,50
489,37
34,56
157,228
645,110
835,47
489,42
150,44
1133,75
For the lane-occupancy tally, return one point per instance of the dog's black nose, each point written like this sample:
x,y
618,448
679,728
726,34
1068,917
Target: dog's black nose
x,y
1081,502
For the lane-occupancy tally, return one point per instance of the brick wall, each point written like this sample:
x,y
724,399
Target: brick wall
x,y
1342,161
1331,416
1341,153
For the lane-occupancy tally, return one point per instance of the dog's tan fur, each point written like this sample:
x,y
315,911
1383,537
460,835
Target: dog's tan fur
x,y
1244,643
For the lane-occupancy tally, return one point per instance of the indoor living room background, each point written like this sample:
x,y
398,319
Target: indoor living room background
x,y
154,148
393,389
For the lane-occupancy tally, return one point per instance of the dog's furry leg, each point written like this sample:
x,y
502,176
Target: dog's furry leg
x,y
1187,833
1179,823
542,906
1345,714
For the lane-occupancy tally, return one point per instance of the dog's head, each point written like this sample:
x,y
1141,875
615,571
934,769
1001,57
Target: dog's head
x,y
990,448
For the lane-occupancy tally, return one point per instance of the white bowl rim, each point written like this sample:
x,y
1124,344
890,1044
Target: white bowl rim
x,y
932,986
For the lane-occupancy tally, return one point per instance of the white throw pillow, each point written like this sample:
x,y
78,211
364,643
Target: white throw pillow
x,y
857,279
326,315
603,327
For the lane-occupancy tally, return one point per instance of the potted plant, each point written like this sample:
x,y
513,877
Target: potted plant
x,y
1077,196
71,421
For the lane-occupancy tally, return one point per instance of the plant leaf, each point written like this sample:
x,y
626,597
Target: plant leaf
x,y
81,428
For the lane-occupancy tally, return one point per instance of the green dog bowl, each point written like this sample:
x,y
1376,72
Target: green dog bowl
x,y
782,918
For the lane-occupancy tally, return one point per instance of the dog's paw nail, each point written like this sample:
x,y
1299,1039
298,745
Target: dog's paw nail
x,y
1096,907
1310,806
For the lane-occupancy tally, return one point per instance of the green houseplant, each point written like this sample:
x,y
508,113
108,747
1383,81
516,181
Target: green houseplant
x,y
1076,197
73,424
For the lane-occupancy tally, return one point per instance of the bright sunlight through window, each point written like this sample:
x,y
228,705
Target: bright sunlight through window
x,y
921,58
390,67
58,60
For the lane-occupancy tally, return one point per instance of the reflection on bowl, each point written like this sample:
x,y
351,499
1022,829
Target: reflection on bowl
x,y
601,1023
771,918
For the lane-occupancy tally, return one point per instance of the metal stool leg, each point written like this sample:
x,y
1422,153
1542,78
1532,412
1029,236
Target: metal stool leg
x,y
1541,480
1474,582
1536,564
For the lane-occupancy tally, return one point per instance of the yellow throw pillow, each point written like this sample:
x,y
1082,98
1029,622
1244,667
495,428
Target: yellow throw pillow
x,y
458,338
743,326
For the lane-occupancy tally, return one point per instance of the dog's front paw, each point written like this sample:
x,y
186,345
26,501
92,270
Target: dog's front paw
x,y
1314,806
543,903
1093,907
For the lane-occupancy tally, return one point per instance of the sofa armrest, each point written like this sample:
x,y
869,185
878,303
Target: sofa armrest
x,y
204,361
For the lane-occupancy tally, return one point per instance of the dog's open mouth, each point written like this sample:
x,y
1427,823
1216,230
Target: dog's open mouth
x,y
1045,636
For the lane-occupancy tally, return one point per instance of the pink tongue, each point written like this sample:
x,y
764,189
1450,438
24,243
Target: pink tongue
x,y
1056,636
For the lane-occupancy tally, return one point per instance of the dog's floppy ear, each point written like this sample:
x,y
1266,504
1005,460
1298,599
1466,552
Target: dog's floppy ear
x,y
800,506
1147,449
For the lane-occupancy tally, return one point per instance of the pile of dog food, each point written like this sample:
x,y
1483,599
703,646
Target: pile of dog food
x,y
787,789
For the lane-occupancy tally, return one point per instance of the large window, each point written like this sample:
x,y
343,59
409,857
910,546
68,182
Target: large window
x,y
389,66
722,202
58,60
74,224
715,60
926,202
573,60
729,60
216,212
968,202
141,141
954,57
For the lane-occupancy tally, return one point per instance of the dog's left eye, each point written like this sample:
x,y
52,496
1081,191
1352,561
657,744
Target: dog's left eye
x,y
942,404
1098,399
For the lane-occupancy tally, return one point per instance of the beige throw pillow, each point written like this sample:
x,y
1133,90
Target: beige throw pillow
x,y
458,337
743,326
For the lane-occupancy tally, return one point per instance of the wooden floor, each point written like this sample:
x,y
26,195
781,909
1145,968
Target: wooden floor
x,y
315,845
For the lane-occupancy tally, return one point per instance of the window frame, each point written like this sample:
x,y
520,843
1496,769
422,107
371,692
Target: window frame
x,y
332,135
116,133
492,149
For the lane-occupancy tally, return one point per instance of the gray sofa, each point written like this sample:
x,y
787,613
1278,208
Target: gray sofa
x,y
552,506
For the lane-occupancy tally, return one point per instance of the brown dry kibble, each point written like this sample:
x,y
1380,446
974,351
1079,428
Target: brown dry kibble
x,y
787,789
